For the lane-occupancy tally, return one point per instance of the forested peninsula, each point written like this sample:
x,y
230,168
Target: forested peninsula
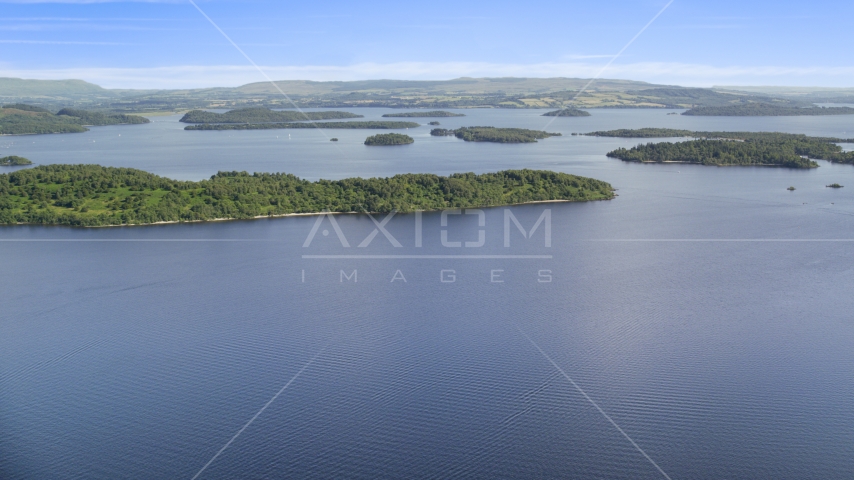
x,y
567,112
765,110
493,134
92,195
261,115
14,161
378,125
386,139
674,133
23,119
99,119
732,148
716,152
431,114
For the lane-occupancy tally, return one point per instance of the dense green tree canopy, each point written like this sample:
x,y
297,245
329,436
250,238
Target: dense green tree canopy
x,y
20,122
97,118
567,112
91,195
389,139
821,148
493,134
22,119
27,108
716,152
14,160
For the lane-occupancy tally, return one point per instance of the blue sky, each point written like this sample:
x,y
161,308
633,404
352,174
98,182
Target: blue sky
x,y
169,44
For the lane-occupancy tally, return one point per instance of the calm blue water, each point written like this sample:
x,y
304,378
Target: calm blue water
x,y
140,352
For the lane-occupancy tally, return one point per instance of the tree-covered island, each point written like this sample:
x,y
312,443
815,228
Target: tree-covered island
x,y
732,148
715,152
493,134
14,161
567,112
430,114
383,139
92,195
376,125
262,115
23,119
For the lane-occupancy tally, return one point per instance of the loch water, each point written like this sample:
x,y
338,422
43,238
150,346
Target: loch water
x,y
700,325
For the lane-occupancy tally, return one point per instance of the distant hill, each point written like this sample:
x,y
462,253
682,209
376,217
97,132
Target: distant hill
x,y
465,92
778,90
20,87
802,94
463,85
690,97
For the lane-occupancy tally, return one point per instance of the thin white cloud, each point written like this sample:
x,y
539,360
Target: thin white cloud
x,y
82,19
587,57
235,75
706,26
91,1
50,27
63,42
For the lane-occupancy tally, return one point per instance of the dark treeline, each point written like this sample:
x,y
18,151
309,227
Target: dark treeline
x,y
92,195
383,139
567,112
433,113
673,133
261,115
820,148
493,134
27,108
269,126
766,110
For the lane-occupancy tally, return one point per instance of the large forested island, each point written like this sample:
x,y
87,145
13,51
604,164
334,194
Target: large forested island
x,y
92,195
493,134
376,125
567,112
733,148
261,115
385,139
715,152
23,119
14,161
430,114
765,110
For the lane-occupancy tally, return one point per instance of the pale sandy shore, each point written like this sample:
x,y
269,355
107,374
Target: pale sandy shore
x,y
311,214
